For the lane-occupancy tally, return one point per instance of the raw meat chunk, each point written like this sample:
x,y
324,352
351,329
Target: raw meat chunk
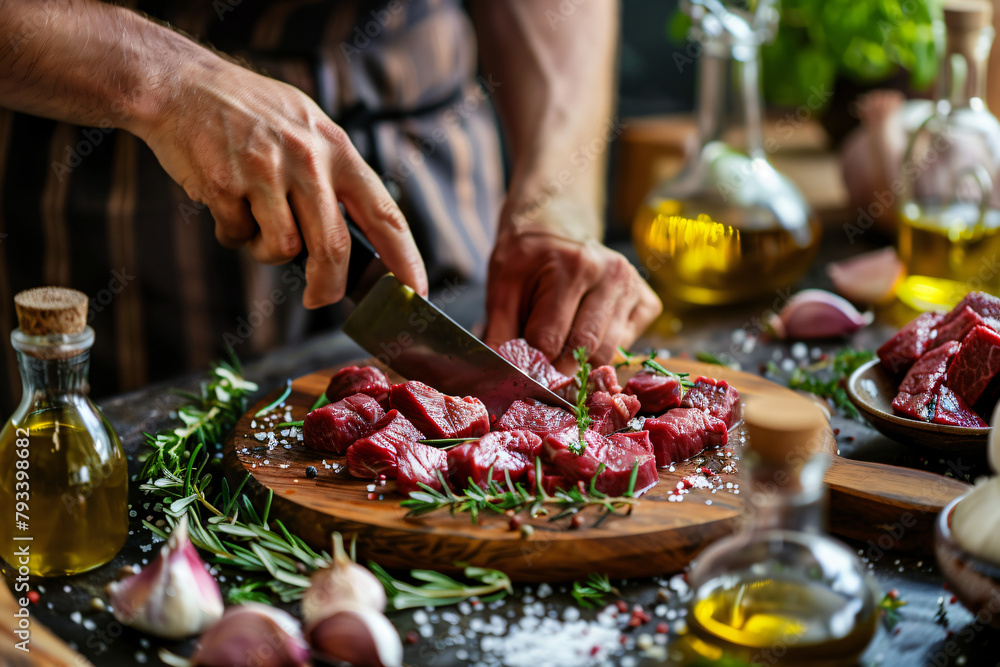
x,y
985,305
915,406
439,415
952,410
618,456
335,427
552,481
536,417
375,454
930,370
610,412
510,451
603,378
359,380
975,364
534,364
716,397
417,463
655,392
955,327
681,433
637,438
899,352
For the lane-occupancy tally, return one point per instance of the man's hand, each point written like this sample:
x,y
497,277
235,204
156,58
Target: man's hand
x,y
564,293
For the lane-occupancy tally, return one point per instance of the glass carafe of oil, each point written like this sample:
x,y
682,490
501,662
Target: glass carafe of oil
x,y
781,591
63,477
949,231
729,227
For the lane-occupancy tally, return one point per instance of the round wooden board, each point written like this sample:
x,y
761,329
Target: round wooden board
x,y
657,538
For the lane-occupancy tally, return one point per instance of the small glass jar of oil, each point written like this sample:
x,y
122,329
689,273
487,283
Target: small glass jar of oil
x,y
63,474
781,591
729,228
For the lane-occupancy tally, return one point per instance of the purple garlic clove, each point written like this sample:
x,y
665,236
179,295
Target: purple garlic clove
x,y
817,313
252,634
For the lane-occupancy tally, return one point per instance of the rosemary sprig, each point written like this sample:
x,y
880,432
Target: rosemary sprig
x,y
591,593
581,354
826,378
320,402
440,589
276,402
653,366
707,357
446,443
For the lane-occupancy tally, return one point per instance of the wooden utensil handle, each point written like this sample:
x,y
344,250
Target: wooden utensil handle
x,y
887,507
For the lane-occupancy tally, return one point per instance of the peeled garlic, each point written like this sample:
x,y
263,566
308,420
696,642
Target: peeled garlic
x,y
343,585
253,634
361,637
815,313
174,597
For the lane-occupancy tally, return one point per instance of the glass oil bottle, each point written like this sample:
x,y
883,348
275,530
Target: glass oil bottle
x,y
729,227
781,591
63,476
949,230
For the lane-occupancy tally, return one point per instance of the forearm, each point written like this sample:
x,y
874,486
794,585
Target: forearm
x,y
87,62
556,79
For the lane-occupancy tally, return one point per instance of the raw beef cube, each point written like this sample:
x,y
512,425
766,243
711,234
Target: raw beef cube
x,y
534,364
952,410
985,305
375,454
603,378
335,427
510,451
716,397
552,481
975,364
637,438
359,380
536,417
439,415
899,352
610,412
417,463
930,371
656,393
681,433
955,327
915,406
618,457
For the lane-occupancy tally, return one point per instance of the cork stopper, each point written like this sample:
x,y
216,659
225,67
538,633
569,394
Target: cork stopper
x,y
966,16
44,311
784,432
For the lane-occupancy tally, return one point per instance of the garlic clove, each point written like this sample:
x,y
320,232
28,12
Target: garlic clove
x,y
870,278
361,637
253,634
817,313
174,597
343,585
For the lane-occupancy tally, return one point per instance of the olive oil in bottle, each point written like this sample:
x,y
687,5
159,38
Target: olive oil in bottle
x,y
781,591
63,474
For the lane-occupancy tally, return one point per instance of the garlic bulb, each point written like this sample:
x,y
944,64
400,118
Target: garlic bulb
x,y
343,585
815,313
361,637
173,597
253,634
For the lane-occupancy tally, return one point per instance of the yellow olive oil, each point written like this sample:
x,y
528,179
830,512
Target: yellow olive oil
x,y
697,252
63,492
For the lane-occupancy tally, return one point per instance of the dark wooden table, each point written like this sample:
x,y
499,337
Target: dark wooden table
x,y
933,630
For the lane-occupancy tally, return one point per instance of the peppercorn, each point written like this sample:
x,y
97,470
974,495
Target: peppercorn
x,y
311,471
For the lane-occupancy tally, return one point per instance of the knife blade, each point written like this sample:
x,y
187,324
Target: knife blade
x,y
415,338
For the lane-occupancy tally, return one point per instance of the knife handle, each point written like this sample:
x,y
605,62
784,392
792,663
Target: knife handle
x,y
362,254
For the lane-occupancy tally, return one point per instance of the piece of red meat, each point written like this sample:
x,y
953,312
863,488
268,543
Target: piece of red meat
x,y
375,454
610,412
656,393
417,462
899,352
531,415
930,370
603,378
985,305
976,363
618,456
359,380
716,397
439,415
919,406
681,433
952,410
335,427
534,363
955,328
512,452
552,480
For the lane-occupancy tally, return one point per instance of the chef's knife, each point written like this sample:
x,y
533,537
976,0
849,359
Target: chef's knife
x,y
412,336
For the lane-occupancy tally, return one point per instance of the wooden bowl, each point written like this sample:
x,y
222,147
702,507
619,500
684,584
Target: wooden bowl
x,y
871,390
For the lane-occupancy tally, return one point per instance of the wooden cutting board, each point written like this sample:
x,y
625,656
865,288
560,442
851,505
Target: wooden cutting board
x,y
892,507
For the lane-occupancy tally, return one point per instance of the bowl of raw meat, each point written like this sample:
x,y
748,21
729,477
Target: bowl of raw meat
x,y
937,380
